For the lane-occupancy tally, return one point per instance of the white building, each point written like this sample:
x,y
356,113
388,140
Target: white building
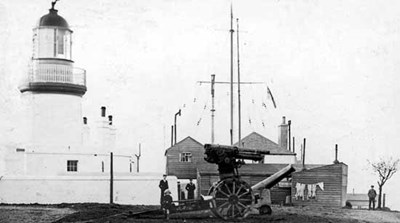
x,y
62,158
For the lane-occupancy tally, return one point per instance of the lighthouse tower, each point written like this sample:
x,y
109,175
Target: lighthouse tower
x,y
53,88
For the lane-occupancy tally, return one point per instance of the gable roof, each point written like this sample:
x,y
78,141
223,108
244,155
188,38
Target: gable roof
x,y
256,141
188,138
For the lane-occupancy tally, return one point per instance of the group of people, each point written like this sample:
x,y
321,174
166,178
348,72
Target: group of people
x,y
166,199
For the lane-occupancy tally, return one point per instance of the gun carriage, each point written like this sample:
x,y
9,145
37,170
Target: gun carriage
x,y
232,197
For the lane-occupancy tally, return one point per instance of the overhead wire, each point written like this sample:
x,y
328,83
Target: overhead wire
x,y
259,102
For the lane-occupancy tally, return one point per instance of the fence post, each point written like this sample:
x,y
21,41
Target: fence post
x,y
111,179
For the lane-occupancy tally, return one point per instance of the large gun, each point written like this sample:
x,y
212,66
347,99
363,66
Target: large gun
x,y
230,158
232,197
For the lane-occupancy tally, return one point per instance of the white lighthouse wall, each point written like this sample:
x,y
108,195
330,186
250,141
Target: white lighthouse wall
x,y
37,176
56,119
44,162
103,136
127,189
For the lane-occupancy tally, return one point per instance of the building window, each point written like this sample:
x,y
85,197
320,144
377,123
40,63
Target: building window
x,y
102,166
185,157
72,165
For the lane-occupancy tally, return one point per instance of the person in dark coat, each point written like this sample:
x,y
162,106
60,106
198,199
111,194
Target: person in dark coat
x,y
163,185
190,187
371,196
167,203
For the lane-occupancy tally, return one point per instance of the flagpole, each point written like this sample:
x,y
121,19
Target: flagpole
x,y
238,81
231,31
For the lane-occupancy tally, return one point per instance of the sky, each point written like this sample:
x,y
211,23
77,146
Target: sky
x,y
332,66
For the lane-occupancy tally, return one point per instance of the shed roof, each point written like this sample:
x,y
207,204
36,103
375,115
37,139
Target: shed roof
x,y
188,138
256,141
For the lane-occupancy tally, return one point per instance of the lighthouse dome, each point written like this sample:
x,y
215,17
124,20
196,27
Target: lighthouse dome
x,y
53,19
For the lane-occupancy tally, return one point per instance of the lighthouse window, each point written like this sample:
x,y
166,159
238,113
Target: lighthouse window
x,y
60,42
185,157
46,43
72,165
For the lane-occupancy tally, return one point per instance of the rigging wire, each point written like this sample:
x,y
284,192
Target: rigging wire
x,y
198,123
256,98
191,106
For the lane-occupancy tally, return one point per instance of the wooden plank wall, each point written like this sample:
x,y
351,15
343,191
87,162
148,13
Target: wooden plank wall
x,y
184,170
334,178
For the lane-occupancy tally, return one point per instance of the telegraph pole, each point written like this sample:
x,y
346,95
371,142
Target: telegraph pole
x,y
111,179
138,158
212,107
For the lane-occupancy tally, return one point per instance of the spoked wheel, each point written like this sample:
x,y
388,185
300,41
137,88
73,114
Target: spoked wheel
x,y
233,199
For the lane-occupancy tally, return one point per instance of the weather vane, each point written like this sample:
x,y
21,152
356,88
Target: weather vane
x,y
54,3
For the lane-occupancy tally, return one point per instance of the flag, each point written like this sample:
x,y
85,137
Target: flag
x,y
272,97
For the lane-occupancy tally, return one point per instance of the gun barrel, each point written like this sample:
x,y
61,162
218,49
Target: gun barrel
x,y
239,149
274,178
249,156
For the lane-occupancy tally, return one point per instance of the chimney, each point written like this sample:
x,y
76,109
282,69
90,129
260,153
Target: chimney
x,y
103,111
110,119
172,135
85,131
289,137
294,144
336,161
283,135
304,153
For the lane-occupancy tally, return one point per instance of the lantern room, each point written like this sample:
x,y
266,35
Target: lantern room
x,y
52,37
51,69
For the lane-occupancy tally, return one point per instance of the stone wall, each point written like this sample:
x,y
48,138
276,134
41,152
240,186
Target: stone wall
x,y
128,189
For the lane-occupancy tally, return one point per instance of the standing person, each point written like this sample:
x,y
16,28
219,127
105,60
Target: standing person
x,y
190,187
167,203
163,185
371,195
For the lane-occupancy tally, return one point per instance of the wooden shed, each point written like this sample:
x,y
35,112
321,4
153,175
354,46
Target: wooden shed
x,y
183,158
322,186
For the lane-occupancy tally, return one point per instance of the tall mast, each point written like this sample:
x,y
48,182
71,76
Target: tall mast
x,y
231,31
238,81
212,106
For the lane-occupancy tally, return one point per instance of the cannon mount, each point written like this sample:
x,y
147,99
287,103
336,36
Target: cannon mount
x,y
233,198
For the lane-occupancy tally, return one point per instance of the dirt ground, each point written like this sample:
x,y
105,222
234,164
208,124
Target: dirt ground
x,y
123,213
32,214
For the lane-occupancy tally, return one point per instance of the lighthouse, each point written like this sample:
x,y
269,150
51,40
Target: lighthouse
x,y
53,87
58,155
